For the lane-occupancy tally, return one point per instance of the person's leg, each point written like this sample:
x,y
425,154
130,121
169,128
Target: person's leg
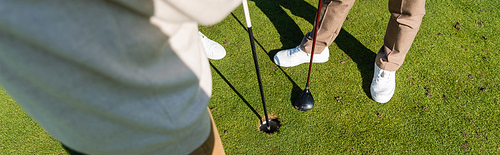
x,y
332,17
406,17
213,144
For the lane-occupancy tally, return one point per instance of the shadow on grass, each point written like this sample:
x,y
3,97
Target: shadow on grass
x,y
290,33
236,91
362,56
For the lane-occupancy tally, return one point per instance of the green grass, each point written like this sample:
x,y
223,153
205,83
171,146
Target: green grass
x,y
19,134
437,107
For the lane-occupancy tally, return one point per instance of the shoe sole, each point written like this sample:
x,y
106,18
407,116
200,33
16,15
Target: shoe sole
x,y
305,61
320,61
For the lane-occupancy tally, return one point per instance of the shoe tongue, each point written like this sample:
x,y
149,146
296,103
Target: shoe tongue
x,y
296,50
384,74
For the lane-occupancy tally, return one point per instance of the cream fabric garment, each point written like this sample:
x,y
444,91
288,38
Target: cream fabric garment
x,y
111,77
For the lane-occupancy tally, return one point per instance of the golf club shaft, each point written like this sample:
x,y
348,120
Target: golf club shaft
x,y
252,43
314,41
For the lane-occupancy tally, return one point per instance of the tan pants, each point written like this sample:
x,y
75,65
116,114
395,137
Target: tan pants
x,y
405,20
213,144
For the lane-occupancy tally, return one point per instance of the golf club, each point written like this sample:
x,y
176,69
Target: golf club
x,y
268,123
305,100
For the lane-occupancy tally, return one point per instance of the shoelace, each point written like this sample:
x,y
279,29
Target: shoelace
x,y
384,76
296,51
205,41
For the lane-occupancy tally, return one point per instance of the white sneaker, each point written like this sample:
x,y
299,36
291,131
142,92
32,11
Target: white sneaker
x,y
214,50
383,85
295,56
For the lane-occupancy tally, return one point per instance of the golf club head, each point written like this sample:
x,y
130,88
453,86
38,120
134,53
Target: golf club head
x,y
305,101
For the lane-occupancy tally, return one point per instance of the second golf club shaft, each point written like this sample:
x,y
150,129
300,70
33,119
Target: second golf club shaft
x,y
314,41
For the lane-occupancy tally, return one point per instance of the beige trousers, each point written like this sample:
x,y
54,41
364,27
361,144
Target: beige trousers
x,y
213,144
405,20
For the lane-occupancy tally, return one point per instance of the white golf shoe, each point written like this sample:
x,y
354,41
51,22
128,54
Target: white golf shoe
x,y
214,50
295,56
383,85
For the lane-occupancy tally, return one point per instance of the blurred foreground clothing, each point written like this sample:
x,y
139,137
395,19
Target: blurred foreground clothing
x,y
111,77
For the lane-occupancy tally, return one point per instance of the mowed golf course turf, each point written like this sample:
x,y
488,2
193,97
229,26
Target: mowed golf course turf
x,y
447,98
